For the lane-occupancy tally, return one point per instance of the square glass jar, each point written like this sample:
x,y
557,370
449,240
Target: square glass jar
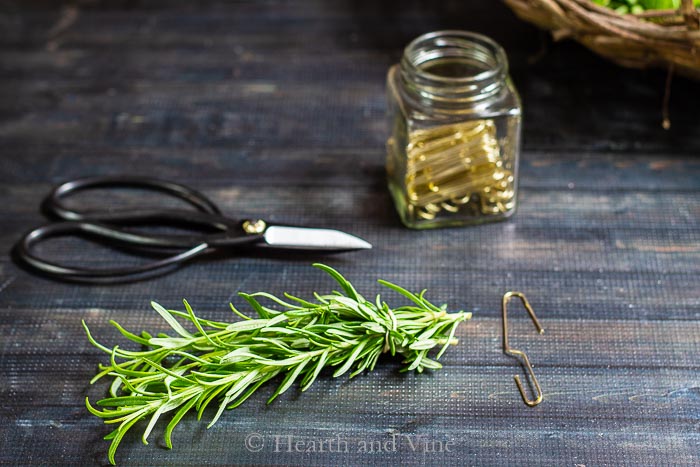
x,y
455,118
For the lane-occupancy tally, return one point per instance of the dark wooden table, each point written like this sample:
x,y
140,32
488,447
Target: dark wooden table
x,y
276,109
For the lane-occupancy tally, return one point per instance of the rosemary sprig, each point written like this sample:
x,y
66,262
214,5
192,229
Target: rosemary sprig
x,y
225,363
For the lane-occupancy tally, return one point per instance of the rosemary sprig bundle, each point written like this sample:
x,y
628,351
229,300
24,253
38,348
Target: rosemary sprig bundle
x,y
225,363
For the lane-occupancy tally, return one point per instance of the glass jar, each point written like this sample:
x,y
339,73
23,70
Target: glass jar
x,y
452,155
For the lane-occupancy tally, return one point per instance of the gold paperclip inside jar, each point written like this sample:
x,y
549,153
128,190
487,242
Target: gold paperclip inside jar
x,y
452,156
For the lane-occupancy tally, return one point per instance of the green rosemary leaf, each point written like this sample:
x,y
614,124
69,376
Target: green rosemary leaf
x,y
175,420
249,325
450,337
417,361
123,401
347,286
168,342
154,418
277,300
233,308
429,363
211,394
312,375
177,327
231,394
129,335
238,355
350,360
196,323
93,341
249,392
374,327
411,296
225,363
288,380
301,301
423,344
117,437
255,304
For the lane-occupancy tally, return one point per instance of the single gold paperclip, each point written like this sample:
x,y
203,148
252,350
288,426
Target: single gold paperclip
x,y
507,350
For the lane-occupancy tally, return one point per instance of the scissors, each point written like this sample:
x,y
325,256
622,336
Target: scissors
x,y
217,231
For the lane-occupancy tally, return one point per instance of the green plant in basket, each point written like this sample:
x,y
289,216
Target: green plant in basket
x,y
639,6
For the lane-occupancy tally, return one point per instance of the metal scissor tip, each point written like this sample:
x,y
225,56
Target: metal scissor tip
x,y
308,238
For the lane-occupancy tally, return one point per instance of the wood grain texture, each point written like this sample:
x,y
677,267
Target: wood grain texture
x,y
276,109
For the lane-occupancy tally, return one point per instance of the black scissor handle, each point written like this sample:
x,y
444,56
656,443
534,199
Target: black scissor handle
x,y
106,224
54,204
205,215
187,248
25,251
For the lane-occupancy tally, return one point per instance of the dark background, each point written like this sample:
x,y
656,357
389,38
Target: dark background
x,y
276,109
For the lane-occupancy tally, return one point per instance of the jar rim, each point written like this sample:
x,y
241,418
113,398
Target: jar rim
x,y
495,51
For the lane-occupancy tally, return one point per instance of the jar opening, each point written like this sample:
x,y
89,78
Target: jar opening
x,y
452,68
456,55
454,65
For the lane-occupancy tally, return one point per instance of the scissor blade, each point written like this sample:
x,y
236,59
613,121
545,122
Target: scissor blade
x,y
306,238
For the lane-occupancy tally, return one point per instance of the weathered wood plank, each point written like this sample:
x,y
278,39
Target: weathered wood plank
x,y
444,405
31,162
575,342
617,111
529,440
275,109
667,213
210,286
236,114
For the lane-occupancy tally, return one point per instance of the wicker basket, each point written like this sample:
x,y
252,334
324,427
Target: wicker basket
x,y
661,38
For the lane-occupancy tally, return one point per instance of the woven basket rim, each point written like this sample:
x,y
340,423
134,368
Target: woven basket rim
x,y
668,38
666,24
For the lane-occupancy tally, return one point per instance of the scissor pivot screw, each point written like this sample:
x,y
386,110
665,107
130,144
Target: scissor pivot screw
x,y
256,226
